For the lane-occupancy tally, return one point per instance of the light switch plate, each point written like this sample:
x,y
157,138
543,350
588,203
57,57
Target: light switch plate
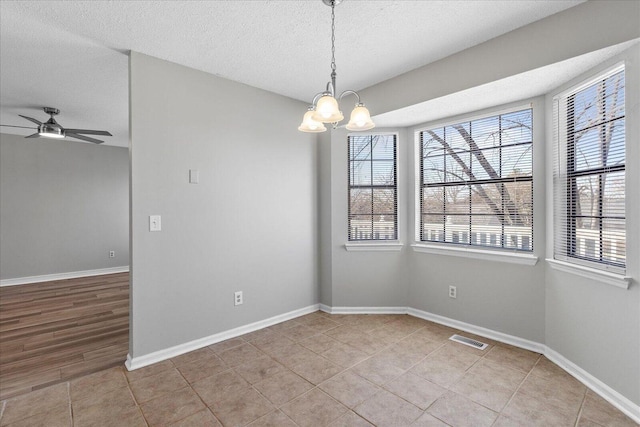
x,y
194,176
155,223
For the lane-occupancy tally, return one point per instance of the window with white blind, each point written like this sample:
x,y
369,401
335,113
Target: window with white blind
x,y
476,182
589,174
373,190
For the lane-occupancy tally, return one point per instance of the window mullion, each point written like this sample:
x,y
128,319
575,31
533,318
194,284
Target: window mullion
x,y
362,224
371,178
452,151
594,217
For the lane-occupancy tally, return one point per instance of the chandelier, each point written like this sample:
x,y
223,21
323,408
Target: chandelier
x,y
324,107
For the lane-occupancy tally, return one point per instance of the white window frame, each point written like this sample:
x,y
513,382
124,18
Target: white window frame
x,y
505,255
612,275
387,245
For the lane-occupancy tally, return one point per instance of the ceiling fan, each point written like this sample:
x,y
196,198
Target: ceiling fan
x,y
51,129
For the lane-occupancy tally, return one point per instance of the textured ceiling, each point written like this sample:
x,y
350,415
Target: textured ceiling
x,y
504,91
72,54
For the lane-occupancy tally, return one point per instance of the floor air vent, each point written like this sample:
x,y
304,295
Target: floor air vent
x,y
468,341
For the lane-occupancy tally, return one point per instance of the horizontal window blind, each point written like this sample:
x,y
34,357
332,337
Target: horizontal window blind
x,y
589,174
373,191
476,182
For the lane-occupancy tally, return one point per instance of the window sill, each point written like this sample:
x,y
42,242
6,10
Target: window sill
x,y
510,257
380,246
591,273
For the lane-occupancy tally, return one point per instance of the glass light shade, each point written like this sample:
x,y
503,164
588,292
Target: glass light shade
x,y
310,125
360,119
51,135
327,110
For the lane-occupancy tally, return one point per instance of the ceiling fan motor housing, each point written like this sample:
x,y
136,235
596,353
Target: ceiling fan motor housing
x,y
51,111
51,128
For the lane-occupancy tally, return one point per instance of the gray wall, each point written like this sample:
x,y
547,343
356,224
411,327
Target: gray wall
x,y
325,279
488,294
597,326
505,297
63,206
250,224
363,279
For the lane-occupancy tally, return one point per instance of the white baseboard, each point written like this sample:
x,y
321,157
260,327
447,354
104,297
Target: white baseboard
x,y
478,330
625,405
63,276
488,333
133,363
629,408
325,308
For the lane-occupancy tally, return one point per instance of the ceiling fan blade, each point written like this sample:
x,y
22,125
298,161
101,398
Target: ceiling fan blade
x,y
22,127
83,138
35,135
89,132
38,122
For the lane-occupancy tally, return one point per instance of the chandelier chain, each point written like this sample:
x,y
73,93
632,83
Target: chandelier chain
x,y
333,36
324,108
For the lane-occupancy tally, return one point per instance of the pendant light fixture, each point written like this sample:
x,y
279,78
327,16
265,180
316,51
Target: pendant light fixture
x,y
324,107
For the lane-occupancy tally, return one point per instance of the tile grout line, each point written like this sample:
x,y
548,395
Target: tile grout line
x,y
196,393
297,342
584,398
338,373
531,373
444,342
278,408
455,382
252,386
484,357
519,386
134,397
70,406
371,356
317,386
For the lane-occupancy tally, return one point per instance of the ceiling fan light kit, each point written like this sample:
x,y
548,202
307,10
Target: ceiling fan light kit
x,y
50,132
51,129
324,107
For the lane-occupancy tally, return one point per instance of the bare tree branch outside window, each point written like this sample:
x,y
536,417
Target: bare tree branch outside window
x,y
595,181
372,187
477,182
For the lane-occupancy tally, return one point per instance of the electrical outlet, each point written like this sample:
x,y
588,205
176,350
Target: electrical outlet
x,y
453,292
112,254
237,298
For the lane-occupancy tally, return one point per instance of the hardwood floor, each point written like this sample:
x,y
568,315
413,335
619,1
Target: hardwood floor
x,y
54,331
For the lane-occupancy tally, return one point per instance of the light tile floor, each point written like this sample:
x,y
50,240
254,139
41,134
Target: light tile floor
x,y
327,370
